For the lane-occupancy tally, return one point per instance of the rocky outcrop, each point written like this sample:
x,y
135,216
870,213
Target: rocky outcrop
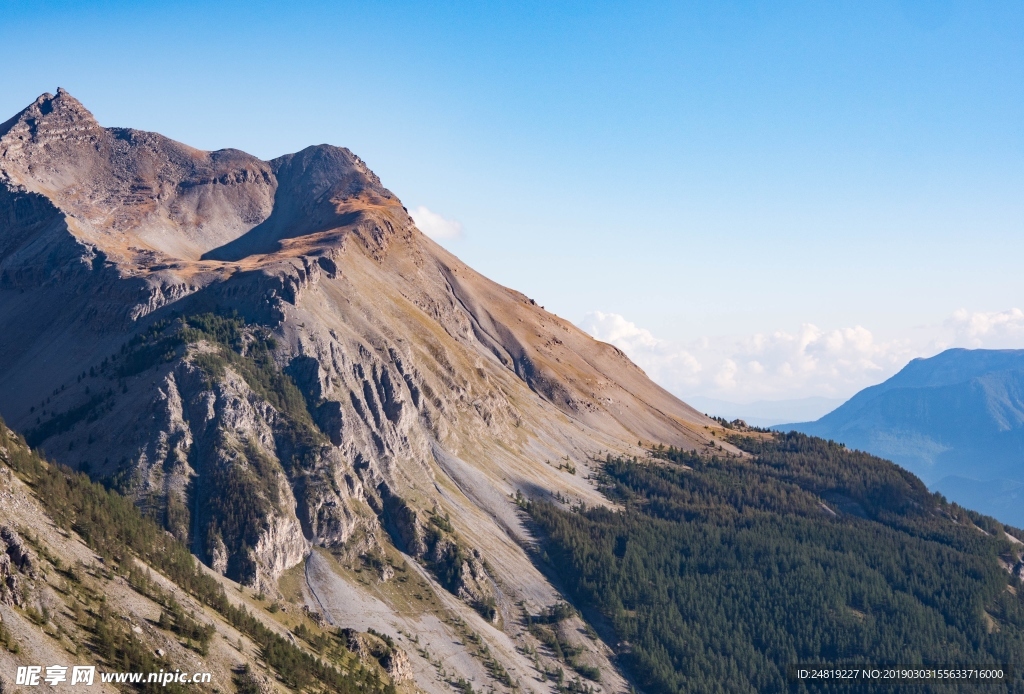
x,y
10,583
381,648
15,548
17,564
249,680
462,572
396,664
403,523
458,568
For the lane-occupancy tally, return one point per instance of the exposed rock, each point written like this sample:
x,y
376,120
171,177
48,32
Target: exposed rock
x,y
356,642
218,554
21,556
10,588
17,563
315,616
249,680
393,659
403,523
475,587
280,547
331,420
396,664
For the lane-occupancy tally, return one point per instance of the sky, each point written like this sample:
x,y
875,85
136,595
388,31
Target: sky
x,y
756,200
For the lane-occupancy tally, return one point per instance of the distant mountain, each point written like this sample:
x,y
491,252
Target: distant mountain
x,y
766,413
956,420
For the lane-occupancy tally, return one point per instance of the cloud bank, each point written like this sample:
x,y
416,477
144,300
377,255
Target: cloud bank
x,y
996,330
434,225
800,363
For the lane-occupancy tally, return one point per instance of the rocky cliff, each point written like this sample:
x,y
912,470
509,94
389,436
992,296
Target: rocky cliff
x,y
269,357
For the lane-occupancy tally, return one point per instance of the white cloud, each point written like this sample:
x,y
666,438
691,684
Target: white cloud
x,y
434,225
994,330
668,364
803,363
616,330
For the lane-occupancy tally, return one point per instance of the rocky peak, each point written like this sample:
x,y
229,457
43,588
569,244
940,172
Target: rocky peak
x,y
326,168
143,200
49,117
136,196
64,105
320,189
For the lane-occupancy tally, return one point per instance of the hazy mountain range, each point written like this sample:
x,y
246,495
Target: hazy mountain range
x,y
956,420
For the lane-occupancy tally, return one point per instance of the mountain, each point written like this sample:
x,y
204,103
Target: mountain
x,y
284,438
956,420
766,413
274,364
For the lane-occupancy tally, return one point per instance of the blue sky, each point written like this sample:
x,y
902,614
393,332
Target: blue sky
x,y
697,182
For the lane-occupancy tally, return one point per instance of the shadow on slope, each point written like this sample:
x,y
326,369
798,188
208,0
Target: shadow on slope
x,y
319,189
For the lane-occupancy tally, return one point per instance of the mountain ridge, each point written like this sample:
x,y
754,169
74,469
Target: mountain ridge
x,y
269,358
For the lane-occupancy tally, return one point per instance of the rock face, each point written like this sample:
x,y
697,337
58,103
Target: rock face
x,y
269,355
248,680
396,664
16,564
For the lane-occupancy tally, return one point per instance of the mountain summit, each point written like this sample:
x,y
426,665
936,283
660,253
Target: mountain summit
x,y
269,357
